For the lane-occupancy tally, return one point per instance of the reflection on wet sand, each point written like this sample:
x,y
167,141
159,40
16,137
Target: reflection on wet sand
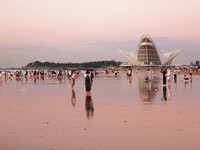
x,y
89,108
169,90
191,81
73,97
148,89
175,79
185,83
164,93
129,80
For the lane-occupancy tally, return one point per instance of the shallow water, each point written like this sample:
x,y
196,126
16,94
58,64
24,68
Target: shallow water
x,y
120,114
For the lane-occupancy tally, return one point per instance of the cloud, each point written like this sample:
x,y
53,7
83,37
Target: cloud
x,y
77,42
165,43
111,43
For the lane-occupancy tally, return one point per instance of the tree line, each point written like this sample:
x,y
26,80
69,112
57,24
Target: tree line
x,y
83,65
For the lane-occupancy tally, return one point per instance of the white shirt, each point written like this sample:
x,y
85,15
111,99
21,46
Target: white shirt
x,y
73,75
86,75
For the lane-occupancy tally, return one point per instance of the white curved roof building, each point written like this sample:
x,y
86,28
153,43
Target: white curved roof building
x,y
148,54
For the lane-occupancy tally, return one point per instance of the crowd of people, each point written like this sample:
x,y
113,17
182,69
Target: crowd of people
x,y
56,74
167,75
88,75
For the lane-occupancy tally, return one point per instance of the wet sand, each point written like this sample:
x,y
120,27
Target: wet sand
x,y
120,114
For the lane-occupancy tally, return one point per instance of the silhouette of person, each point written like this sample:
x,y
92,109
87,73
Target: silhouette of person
x,y
91,76
164,72
89,108
87,82
175,75
73,97
190,72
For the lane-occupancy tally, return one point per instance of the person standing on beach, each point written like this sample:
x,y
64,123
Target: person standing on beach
x,y
91,76
175,75
69,73
129,73
116,73
72,78
164,72
190,72
168,74
87,77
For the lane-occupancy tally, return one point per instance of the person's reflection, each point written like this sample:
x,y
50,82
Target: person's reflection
x,y
164,93
35,80
175,80
175,85
148,89
89,108
169,91
59,80
130,80
185,83
73,97
191,82
190,79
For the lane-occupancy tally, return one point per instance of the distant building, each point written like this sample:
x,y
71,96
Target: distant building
x,y
148,54
197,63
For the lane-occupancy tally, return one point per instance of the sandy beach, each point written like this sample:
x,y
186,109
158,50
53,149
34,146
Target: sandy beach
x,y
120,114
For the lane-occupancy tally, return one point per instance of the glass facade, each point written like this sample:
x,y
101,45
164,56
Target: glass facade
x,y
147,53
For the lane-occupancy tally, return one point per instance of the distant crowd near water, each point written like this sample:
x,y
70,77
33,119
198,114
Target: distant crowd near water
x,y
147,82
59,74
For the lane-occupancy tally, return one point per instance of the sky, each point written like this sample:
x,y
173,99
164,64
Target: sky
x,y
92,30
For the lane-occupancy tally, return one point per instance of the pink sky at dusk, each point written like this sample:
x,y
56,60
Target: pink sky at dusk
x,y
54,30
